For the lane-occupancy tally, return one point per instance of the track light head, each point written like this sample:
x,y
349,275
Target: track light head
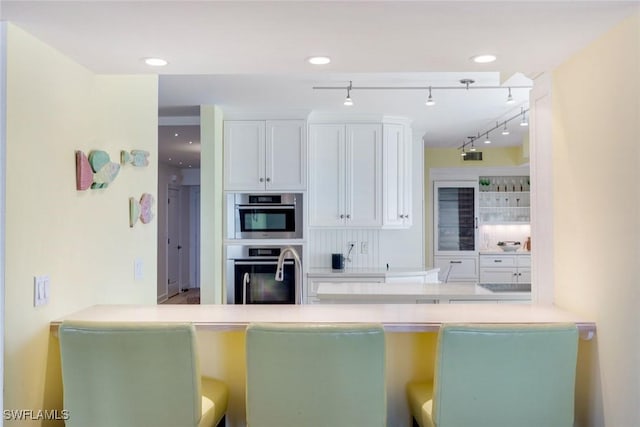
x,y
430,102
348,101
510,99
487,140
524,121
505,130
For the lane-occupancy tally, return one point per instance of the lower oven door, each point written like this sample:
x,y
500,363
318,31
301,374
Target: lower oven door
x,y
255,283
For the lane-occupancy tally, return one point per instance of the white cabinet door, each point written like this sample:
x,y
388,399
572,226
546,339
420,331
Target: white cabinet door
x,y
363,169
396,177
244,155
498,275
524,275
457,269
265,155
326,175
286,155
345,163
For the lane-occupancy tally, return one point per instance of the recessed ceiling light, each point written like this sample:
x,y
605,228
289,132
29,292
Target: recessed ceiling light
x,y
155,62
319,60
484,59
175,134
190,142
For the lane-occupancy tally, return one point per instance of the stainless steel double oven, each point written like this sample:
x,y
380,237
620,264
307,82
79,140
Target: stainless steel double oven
x,y
257,226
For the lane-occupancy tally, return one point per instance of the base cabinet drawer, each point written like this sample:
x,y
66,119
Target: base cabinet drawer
x,y
498,275
457,269
505,268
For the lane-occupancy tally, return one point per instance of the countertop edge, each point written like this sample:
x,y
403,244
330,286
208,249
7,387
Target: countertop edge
x,y
393,317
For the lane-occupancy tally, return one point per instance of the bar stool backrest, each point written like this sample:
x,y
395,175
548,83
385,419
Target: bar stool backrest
x,y
130,374
315,375
505,375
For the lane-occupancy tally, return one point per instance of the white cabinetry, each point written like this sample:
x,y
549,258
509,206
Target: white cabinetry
x,y
266,155
345,188
457,268
512,268
396,146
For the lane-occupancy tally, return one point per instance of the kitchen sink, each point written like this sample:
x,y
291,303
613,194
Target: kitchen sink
x,y
507,287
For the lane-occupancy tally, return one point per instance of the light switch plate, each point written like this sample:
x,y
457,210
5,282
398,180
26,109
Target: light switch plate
x,y
138,269
41,290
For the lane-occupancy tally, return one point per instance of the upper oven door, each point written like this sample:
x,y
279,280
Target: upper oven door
x,y
268,217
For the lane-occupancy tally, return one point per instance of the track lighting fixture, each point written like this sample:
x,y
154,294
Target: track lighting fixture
x,y
466,84
510,98
472,147
524,121
348,102
486,140
430,100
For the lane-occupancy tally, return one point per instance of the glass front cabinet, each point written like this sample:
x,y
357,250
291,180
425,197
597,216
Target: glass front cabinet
x,y
456,219
456,230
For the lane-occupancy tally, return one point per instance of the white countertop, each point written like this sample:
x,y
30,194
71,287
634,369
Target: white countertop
x,y
411,292
370,272
394,317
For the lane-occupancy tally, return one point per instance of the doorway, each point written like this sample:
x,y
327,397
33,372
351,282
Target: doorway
x,y
173,242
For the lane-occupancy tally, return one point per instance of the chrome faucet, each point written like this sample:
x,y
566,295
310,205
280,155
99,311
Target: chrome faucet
x,y
298,267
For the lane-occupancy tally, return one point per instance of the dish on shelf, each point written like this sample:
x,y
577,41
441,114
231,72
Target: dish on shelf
x,y
509,245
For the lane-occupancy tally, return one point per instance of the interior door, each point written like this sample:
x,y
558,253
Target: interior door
x,y
173,244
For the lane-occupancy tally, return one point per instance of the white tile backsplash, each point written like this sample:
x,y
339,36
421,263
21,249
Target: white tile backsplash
x,y
491,234
323,243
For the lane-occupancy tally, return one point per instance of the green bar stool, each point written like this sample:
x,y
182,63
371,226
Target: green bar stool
x,y
137,375
305,375
499,376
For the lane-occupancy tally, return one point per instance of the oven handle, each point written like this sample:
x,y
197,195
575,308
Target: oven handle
x,y
265,207
245,283
287,262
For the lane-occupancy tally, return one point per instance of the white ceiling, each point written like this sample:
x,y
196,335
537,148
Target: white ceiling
x,y
251,55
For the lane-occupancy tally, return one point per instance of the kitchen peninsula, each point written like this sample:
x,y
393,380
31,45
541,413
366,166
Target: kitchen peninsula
x,y
411,335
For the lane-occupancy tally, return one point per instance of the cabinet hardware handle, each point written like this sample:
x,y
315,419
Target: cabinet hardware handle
x,y
261,179
401,216
476,221
407,216
341,216
348,216
268,179
497,260
455,262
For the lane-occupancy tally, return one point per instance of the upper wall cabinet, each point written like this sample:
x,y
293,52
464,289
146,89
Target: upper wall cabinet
x,y
397,188
345,176
265,155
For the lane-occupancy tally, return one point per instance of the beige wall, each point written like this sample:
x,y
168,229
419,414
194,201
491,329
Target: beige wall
x,y
596,150
81,239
